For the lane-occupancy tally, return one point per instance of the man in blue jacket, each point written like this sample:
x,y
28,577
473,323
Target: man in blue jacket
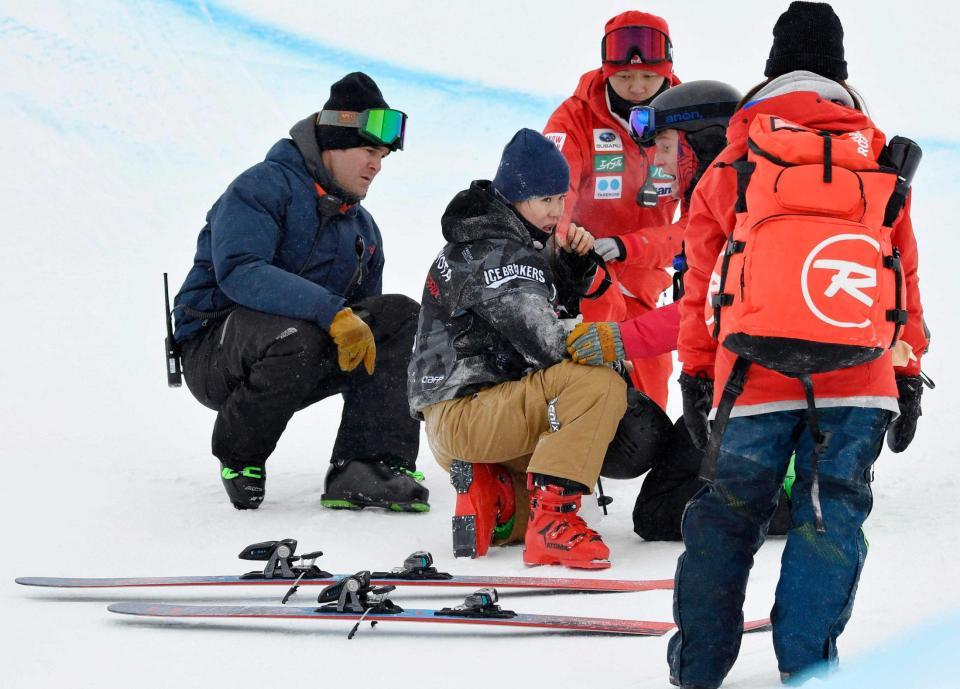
x,y
284,303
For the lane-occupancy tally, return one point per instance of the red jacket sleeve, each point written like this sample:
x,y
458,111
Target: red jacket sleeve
x,y
710,221
904,239
565,131
652,333
654,247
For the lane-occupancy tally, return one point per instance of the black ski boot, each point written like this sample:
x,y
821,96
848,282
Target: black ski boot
x,y
245,486
358,483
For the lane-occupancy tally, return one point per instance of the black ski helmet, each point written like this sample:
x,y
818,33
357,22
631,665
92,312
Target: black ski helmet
x,y
642,436
695,105
702,109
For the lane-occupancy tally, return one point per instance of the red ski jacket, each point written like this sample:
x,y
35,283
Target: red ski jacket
x,y
712,218
607,170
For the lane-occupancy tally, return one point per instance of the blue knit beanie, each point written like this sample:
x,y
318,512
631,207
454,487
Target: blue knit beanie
x,y
531,167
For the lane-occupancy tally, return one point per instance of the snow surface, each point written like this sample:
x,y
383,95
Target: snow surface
x,y
123,121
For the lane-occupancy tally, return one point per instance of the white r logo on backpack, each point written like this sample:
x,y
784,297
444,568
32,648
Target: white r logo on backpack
x,y
849,277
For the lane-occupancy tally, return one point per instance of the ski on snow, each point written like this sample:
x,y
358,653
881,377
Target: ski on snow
x,y
355,598
283,568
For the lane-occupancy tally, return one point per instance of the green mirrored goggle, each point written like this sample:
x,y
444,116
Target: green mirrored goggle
x,y
381,126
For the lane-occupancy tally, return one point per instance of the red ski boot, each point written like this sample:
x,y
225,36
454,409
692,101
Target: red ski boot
x,y
556,535
485,506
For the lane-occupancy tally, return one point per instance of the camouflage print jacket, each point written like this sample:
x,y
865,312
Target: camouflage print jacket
x,y
489,311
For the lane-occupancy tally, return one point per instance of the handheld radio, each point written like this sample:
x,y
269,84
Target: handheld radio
x,y
171,349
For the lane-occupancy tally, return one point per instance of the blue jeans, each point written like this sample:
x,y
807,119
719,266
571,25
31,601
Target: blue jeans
x,y
725,524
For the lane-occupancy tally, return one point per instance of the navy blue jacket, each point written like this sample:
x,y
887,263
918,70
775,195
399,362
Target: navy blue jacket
x,y
263,247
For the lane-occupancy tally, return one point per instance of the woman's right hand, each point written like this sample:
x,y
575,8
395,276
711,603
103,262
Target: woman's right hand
x,y
577,240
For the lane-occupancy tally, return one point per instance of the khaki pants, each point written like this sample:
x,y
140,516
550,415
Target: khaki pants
x,y
557,421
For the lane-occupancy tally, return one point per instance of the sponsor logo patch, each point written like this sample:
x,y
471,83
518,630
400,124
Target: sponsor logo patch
x,y
558,139
829,279
662,181
446,272
433,287
608,187
609,162
606,140
863,143
663,188
495,277
552,417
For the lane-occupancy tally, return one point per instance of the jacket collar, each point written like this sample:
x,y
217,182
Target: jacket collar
x,y
476,213
801,80
305,139
803,107
592,90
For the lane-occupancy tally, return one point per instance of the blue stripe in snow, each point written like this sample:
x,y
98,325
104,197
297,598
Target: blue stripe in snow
x,y
278,38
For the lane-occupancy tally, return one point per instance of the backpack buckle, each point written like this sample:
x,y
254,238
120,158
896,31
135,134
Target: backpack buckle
x,y
898,316
721,299
735,247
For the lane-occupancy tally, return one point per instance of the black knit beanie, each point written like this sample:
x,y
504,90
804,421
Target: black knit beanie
x,y
356,92
808,36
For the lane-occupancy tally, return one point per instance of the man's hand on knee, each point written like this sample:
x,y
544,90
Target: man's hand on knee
x,y
354,341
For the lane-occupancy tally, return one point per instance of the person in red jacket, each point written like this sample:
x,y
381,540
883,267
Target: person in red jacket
x,y
723,525
686,128
613,192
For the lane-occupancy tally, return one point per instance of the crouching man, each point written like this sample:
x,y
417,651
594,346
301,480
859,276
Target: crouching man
x,y
517,426
283,307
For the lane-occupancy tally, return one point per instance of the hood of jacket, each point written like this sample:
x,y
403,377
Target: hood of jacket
x,y
475,214
803,107
304,138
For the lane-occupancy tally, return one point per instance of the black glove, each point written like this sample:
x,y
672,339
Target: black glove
x,y
697,401
900,433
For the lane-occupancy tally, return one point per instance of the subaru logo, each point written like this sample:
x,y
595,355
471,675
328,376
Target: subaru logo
x,y
607,137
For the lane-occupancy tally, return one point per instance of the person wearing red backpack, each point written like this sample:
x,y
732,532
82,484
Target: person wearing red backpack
x,y
803,158
686,126
613,192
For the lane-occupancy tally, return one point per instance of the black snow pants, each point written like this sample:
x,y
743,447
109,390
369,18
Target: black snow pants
x,y
672,482
256,369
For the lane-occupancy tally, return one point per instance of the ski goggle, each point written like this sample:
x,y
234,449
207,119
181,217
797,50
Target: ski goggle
x,y
643,123
381,126
636,45
645,119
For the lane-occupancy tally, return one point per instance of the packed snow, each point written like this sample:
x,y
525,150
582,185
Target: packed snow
x,y
123,121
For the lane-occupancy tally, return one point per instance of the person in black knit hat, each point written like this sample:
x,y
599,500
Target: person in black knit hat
x,y
284,307
804,105
808,36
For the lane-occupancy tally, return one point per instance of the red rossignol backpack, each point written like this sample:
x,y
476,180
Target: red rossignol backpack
x,y
809,281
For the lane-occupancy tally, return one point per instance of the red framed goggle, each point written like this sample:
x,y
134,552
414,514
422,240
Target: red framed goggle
x,y
636,45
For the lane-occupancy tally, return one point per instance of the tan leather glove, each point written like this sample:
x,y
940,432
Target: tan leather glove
x,y
354,341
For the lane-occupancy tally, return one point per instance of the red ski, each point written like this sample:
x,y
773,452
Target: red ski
x,y
283,568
